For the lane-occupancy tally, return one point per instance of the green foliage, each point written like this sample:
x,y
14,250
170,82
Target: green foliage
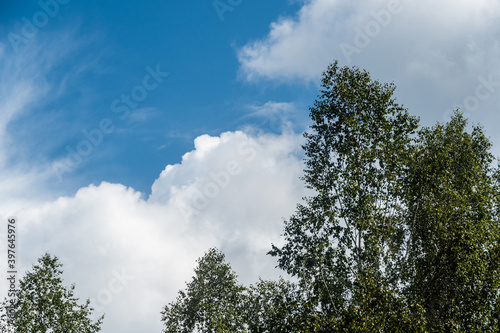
x,y
453,251
274,307
212,302
43,303
401,235
344,243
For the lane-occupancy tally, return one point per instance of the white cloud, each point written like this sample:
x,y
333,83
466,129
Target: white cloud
x,y
437,52
231,191
128,254
396,32
295,47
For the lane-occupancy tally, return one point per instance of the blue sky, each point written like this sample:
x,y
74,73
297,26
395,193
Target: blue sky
x,y
106,49
136,135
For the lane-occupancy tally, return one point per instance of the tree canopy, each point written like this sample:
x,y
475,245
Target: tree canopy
x,y
401,234
212,302
43,304
452,198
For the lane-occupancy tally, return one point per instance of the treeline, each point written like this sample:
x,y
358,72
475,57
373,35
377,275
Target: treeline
x,y
401,235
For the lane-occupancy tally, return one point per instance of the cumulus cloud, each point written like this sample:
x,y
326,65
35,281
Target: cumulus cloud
x,y
295,46
451,34
130,255
439,53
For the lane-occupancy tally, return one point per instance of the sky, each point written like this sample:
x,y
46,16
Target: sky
x,y
135,135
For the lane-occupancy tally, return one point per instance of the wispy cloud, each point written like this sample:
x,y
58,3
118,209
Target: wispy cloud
x,y
24,87
142,115
278,116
